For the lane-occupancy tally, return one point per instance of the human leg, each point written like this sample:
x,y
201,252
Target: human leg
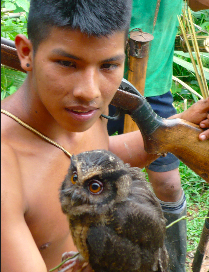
x,y
166,186
165,179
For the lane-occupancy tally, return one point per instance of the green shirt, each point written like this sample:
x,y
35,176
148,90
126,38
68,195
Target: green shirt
x,y
160,63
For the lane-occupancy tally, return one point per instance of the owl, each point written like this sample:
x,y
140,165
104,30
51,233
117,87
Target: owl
x,y
115,219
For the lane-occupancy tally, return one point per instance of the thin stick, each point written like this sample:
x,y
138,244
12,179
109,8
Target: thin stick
x,y
190,53
176,221
187,86
183,218
199,61
190,24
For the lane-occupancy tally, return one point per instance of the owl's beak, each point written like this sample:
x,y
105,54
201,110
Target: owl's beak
x,y
76,198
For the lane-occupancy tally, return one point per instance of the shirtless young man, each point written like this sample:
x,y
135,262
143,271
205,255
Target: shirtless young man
x,y
74,58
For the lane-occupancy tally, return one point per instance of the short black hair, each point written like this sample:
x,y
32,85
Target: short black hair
x,y
93,17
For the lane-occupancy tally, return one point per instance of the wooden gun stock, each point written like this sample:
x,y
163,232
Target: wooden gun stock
x,y
9,55
160,135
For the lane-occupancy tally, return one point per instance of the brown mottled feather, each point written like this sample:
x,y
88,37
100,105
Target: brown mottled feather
x,y
119,228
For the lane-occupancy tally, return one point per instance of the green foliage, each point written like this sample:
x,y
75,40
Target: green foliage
x,y
201,18
182,66
183,69
14,21
11,80
14,18
196,191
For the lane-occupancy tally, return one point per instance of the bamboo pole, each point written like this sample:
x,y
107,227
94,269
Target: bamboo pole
x,y
199,61
190,53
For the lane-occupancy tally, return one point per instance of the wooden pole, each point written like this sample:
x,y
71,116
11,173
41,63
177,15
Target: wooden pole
x,y
138,51
199,255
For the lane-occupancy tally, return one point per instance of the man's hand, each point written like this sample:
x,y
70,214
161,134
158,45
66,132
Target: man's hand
x,y
76,264
196,5
198,114
204,124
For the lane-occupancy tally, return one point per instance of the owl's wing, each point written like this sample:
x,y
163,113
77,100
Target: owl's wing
x,y
140,220
109,252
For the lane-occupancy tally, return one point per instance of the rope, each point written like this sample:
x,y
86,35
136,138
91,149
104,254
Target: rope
x,y
35,131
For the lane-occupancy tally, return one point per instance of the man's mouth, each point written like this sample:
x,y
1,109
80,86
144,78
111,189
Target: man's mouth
x,y
82,114
80,111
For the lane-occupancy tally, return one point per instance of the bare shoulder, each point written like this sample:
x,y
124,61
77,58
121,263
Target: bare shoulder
x,y
8,129
10,168
10,178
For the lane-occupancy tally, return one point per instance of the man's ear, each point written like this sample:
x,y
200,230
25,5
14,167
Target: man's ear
x,y
24,51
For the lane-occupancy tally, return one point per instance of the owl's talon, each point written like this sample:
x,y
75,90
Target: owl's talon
x,y
70,254
76,263
68,265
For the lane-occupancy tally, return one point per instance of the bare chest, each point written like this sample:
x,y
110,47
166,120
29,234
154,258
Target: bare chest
x,y
43,174
44,217
43,168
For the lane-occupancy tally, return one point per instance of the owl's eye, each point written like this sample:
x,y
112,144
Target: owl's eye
x,y
74,177
95,187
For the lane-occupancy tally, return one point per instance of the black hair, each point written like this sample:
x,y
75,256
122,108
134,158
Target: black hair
x,y
93,17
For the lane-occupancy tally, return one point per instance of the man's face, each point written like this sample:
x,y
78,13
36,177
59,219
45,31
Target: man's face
x,y
76,76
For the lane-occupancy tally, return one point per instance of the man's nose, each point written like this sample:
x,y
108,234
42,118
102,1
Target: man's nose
x,y
87,88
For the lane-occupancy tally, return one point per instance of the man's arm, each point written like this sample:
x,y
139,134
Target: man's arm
x,y
130,147
19,251
196,5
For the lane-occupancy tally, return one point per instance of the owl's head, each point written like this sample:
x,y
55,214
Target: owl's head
x,y
95,179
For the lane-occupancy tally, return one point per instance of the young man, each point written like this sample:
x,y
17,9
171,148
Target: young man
x,y
74,58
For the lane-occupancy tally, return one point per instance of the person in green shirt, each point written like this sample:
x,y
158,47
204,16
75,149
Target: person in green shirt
x,y
163,173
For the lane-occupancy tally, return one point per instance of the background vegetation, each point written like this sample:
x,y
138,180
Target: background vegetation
x,y
14,20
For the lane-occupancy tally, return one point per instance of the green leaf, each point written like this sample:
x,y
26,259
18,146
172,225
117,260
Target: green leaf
x,y
176,87
3,94
189,66
12,90
10,6
187,55
23,4
194,97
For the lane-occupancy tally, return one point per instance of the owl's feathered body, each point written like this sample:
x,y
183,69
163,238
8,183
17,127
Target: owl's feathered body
x,y
116,221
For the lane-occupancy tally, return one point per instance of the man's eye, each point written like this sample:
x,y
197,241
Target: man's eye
x,y
66,63
108,66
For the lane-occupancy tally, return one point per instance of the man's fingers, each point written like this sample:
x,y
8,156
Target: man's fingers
x,y
204,135
205,123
